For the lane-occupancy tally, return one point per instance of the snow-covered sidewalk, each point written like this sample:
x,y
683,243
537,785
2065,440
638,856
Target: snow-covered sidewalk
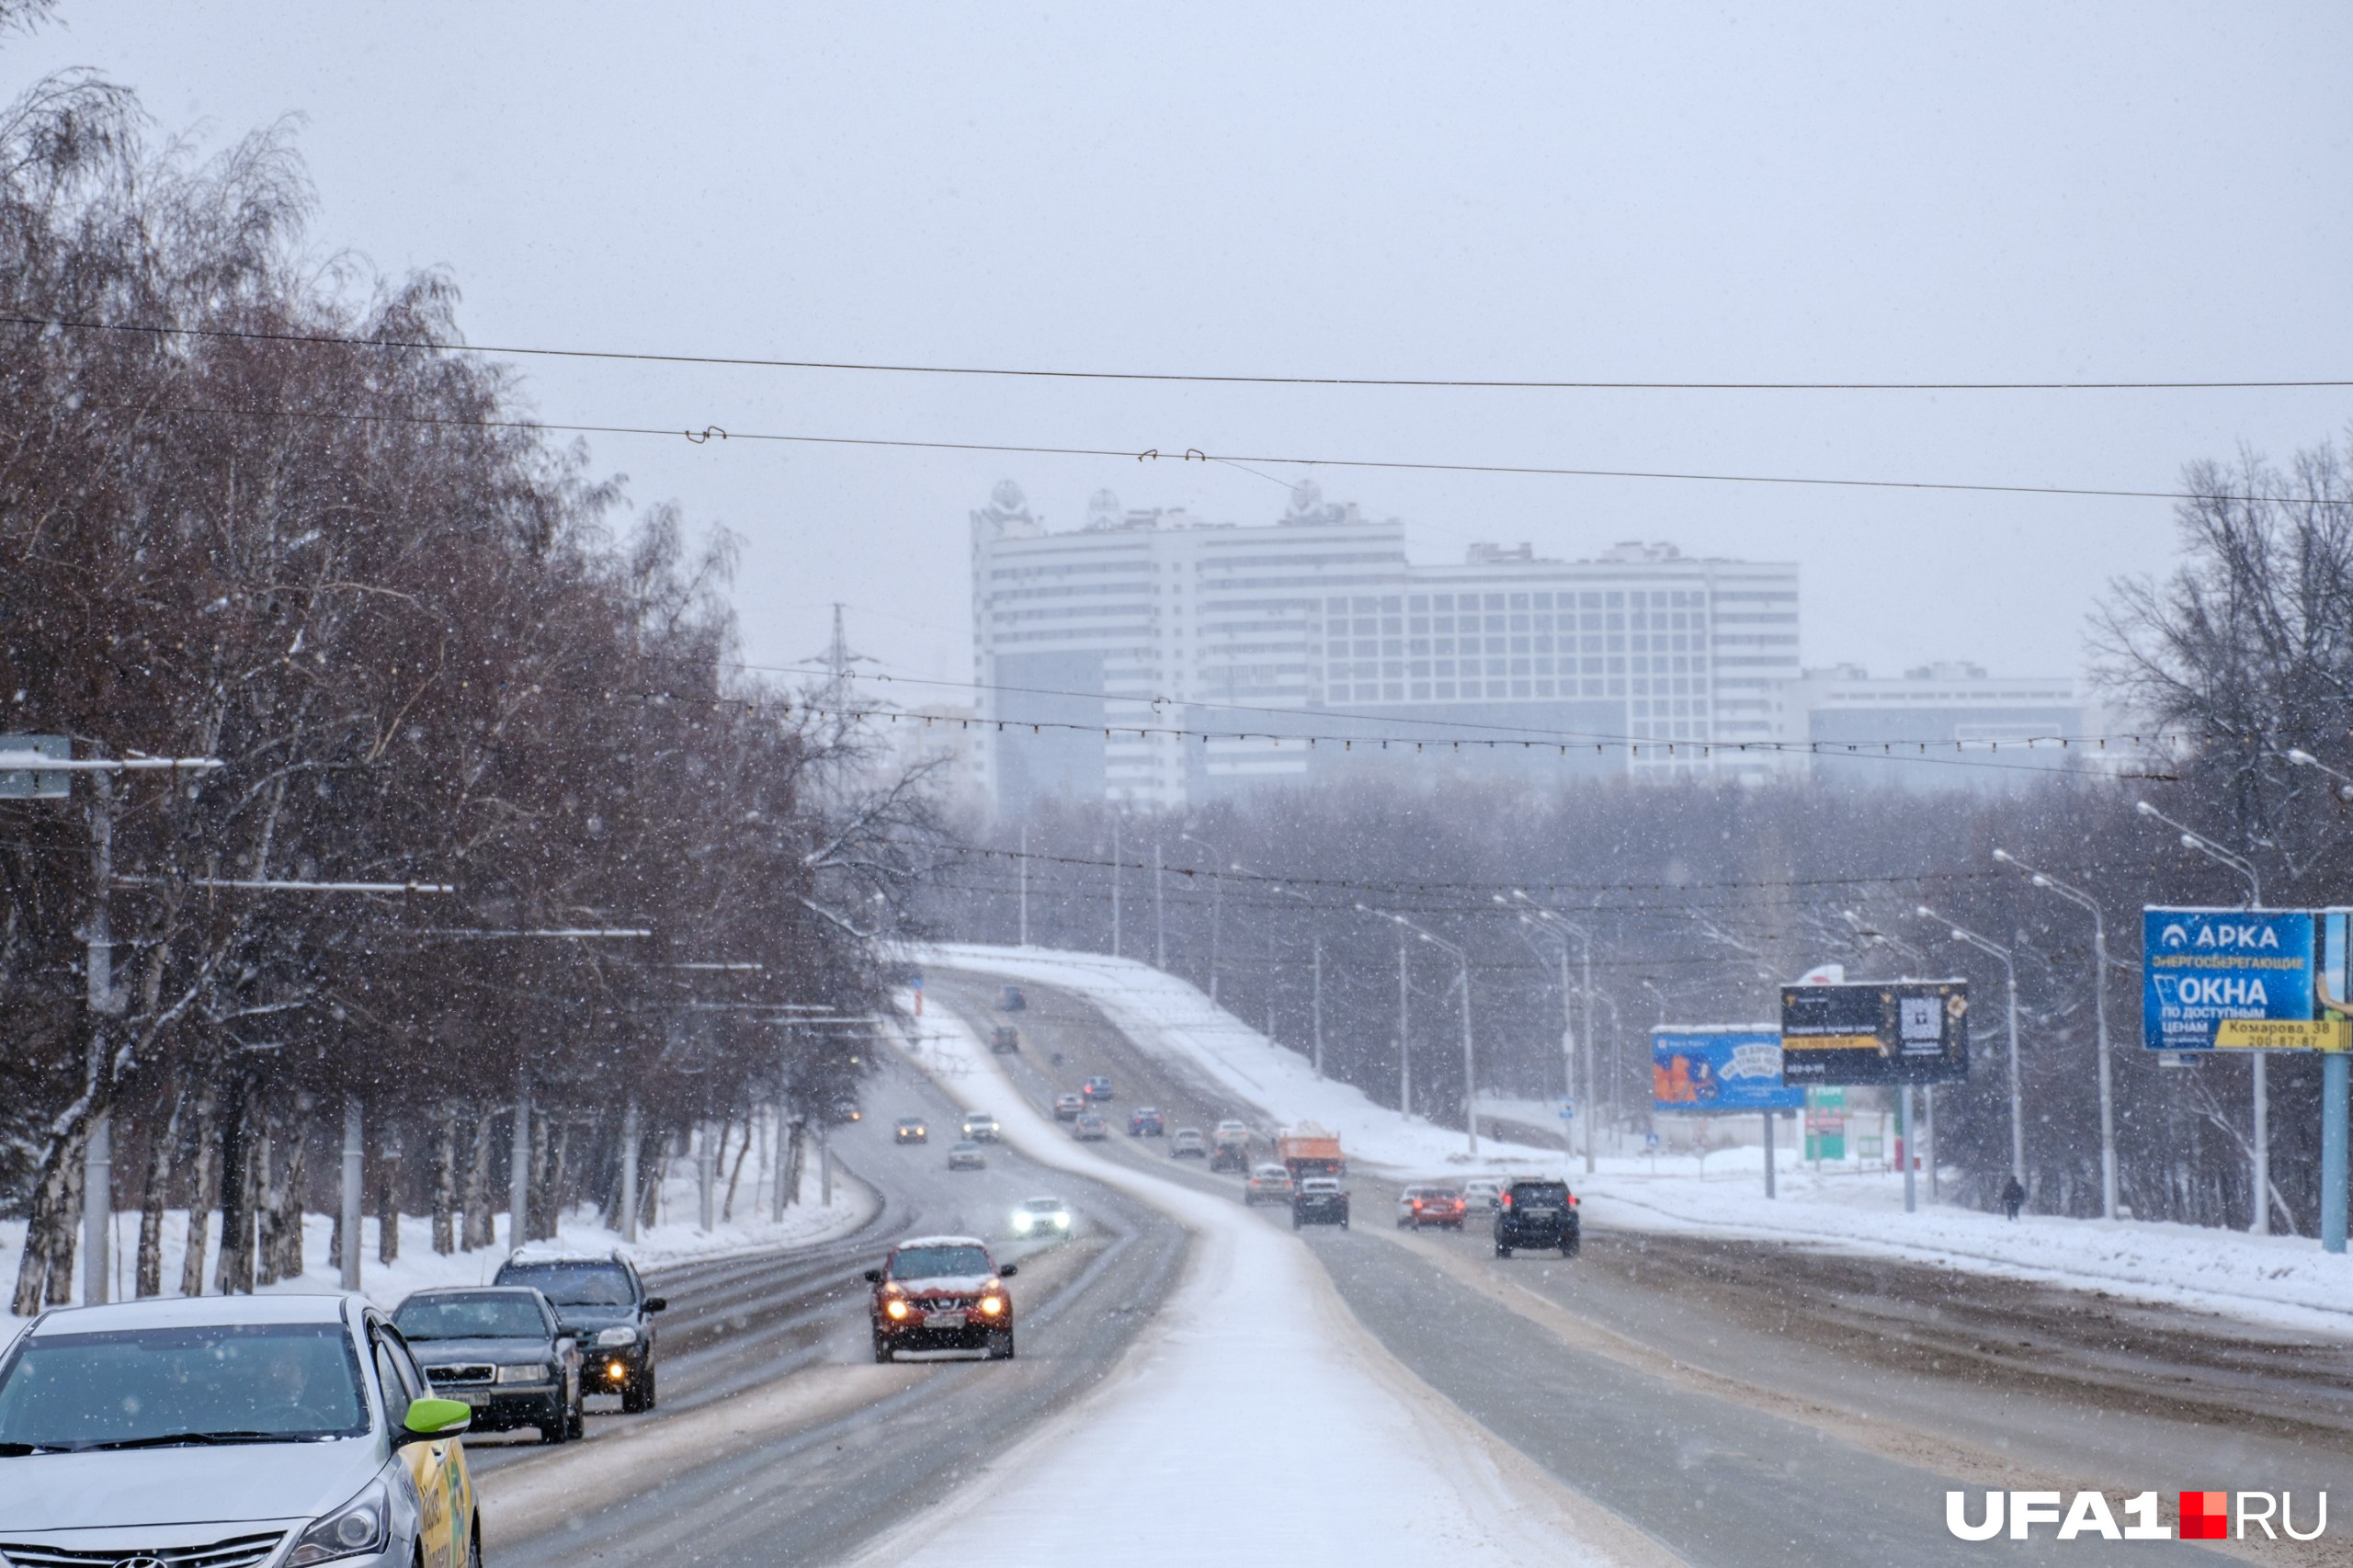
x,y
1257,1418
675,1237
2283,1280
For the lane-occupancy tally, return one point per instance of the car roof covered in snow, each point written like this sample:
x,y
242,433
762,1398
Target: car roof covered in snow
x,y
905,1242
193,1311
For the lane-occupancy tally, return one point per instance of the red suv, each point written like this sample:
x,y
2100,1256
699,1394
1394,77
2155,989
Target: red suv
x,y
941,1293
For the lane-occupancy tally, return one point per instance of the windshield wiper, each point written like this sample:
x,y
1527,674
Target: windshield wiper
x,y
177,1439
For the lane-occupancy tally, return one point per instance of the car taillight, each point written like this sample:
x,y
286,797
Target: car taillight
x,y
1573,1200
1505,1200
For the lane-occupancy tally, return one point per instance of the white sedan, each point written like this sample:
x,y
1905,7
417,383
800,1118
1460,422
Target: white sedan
x,y
1042,1217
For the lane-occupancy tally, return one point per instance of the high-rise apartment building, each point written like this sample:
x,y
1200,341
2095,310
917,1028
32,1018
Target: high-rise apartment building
x,y
1640,661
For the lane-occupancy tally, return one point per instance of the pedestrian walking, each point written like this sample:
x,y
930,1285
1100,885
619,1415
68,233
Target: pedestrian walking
x,y
2013,1197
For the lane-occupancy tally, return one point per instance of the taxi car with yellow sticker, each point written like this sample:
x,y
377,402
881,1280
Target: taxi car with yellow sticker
x,y
234,1431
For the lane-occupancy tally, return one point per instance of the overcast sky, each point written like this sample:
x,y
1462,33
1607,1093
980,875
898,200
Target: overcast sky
x,y
1642,192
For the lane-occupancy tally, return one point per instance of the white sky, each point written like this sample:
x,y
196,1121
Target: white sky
x,y
1710,192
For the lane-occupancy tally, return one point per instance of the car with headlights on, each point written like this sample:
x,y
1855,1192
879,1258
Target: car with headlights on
x,y
229,1432
1268,1183
1145,1121
980,1127
965,1155
911,1130
1421,1206
1319,1200
602,1302
941,1293
1067,1108
1042,1217
1090,1128
1189,1145
501,1351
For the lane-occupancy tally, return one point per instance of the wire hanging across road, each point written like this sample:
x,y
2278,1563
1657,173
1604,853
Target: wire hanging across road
x,y
1019,372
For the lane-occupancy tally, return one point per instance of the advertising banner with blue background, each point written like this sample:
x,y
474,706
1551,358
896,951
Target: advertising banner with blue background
x,y
1720,1069
2230,979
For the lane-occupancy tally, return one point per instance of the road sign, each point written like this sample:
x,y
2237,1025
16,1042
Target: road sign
x,y
1725,1068
2231,980
1565,1108
36,784
1888,1032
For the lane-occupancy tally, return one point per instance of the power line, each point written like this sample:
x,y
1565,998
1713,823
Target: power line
x,y
714,433
735,361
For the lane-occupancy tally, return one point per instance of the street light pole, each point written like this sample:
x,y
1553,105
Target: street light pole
x,y
1585,941
2010,979
1404,1050
2259,1064
2107,1196
1217,908
1024,939
1159,914
1470,1062
1115,885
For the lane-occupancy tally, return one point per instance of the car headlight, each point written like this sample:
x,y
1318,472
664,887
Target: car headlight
x,y
1062,1221
615,1371
992,1306
894,1308
528,1373
362,1524
1022,1222
622,1335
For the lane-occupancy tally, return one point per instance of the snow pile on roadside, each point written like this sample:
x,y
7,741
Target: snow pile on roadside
x,y
1254,1409
2283,1280
675,1239
1170,1018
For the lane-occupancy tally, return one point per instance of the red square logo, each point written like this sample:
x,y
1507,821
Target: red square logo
x,y
2205,1515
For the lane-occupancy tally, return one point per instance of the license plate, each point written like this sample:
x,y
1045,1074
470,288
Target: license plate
x,y
1542,1213
943,1320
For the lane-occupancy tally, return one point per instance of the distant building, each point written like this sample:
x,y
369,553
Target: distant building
x,y
1851,725
1091,646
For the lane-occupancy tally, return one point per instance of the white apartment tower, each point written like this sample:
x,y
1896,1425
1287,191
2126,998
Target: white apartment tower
x,y
1316,626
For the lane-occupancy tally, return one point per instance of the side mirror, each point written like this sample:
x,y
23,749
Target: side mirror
x,y
657,1303
566,1346
1008,1271
430,1420
873,1277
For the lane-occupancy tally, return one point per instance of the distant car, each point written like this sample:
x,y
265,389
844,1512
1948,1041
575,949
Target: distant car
x,y
1230,1147
1005,1040
1420,1206
1319,1200
1237,1130
1188,1144
501,1351
227,1429
1482,1195
1096,1089
1538,1214
911,1130
980,1127
601,1300
965,1155
1042,1217
1268,1183
1068,1106
848,1110
1144,1122
1010,1000
1090,1128
941,1293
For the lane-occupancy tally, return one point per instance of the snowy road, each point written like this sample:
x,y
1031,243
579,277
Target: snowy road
x,y
1709,1446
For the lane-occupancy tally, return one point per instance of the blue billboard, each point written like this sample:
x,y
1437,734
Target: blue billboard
x,y
2229,979
1720,1069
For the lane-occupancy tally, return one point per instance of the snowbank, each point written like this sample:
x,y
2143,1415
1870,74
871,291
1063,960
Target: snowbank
x,y
2283,1280
1343,1465
674,1238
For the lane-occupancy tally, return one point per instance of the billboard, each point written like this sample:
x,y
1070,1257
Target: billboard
x,y
1729,1068
2231,979
1887,1031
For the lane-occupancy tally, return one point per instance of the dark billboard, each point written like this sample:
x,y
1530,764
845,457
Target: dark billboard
x,y
1888,1032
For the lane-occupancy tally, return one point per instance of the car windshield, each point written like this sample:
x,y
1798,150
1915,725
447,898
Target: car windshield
x,y
154,1387
573,1284
939,1262
422,1318
1043,1205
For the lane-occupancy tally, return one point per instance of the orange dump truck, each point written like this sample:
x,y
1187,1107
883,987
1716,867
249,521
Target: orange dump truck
x,y
1308,1150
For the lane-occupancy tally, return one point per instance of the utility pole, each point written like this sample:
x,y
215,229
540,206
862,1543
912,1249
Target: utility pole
x,y
1563,925
1025,884
2010,981
1115,885
518,1158
1470,1062
106,1002
1159,914
632,1134
2108,1184
355,1173
1318,1004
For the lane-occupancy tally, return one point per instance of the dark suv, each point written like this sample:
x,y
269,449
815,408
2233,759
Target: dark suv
x,y
603,1304
1537,1214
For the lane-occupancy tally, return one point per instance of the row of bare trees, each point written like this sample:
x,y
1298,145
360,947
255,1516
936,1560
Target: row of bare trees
x,y
427,647
1702,898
